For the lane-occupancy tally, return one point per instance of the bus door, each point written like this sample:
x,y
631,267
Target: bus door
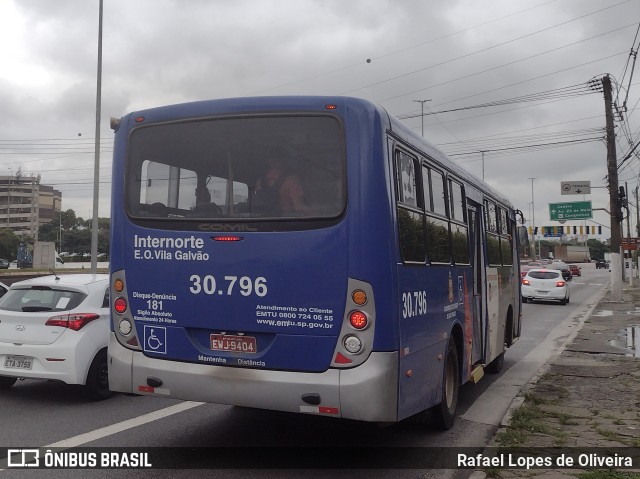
x,y
479,280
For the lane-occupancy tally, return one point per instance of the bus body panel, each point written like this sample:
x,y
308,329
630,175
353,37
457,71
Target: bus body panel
x,y
295,321
361,393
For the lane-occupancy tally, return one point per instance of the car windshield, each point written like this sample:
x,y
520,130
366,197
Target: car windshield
x,y
544,274
40,299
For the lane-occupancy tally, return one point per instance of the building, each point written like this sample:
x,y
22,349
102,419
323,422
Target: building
x,y
25,204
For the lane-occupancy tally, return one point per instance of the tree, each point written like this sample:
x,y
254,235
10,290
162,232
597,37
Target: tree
x,y
597,248
76,233
8,244
69,220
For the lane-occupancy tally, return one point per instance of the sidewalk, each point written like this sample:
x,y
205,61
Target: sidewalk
x,y
586,397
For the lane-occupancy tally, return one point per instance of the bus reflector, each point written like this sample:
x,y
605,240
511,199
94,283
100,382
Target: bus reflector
x,y
118,285
139,119
342,359
358,319
120,305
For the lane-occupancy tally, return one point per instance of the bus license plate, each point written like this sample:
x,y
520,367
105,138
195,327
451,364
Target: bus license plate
x,y
18,362
236,344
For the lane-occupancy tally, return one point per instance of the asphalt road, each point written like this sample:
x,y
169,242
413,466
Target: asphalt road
x,y
44,414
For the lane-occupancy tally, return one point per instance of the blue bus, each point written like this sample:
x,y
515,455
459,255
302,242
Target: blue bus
x,y
304,254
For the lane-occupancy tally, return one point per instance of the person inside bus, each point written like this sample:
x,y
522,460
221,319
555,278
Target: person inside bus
x,y
279,192
204,206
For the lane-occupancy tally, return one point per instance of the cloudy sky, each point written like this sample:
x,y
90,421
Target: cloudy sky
x,y
530,60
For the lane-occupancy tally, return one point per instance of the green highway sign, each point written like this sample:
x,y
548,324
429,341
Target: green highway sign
x,y
575,210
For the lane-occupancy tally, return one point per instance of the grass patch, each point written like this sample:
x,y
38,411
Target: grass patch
x,y
528,418
511,437
612,436
534,399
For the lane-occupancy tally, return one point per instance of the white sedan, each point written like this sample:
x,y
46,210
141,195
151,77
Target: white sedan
x,y
544,285
56,327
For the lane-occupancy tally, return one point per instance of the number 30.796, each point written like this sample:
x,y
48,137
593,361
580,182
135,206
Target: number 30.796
x,y
230,285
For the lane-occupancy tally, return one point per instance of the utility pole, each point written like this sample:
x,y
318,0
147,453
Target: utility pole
x,y
533,221
637,213
614,207
630,263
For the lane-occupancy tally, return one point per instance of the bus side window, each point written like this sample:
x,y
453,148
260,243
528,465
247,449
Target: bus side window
x,y
506,238
407,184
459,231
411,225
493,240
438,245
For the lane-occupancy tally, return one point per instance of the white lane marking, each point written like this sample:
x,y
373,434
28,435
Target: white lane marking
x,y
96,434
124,425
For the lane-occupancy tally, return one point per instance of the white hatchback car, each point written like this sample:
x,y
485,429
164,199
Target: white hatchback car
x,y
544,285
56,327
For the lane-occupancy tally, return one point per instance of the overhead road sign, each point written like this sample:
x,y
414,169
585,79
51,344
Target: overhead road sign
x,y
575,188
577,210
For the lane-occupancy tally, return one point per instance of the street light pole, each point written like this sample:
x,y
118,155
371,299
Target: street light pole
x,y
422,102
96,169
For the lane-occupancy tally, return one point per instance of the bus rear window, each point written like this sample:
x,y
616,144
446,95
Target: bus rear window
x,y
275,167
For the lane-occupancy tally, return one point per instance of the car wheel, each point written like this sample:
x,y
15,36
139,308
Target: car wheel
x,y
444,414
524,300
6,382
97,385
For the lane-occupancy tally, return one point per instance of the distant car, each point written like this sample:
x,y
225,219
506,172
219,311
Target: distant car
x,y
575,269
563,268
602,264
56,327
544,285
4,264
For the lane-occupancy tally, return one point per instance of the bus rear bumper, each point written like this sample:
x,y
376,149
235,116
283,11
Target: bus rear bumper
x,y
366,393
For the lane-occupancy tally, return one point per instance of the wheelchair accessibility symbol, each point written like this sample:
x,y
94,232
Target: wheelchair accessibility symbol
x,y
155,339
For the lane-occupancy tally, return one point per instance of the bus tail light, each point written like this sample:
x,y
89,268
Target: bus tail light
x,y
120,305
352,344
355,340
122,324
358,320
359,297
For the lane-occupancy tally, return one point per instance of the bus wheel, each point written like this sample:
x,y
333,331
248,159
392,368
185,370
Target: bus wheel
x,y
495,366
444,414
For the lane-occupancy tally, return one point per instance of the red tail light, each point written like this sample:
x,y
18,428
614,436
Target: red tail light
x,y
560,284
72,321
120,305
358,319
525,281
